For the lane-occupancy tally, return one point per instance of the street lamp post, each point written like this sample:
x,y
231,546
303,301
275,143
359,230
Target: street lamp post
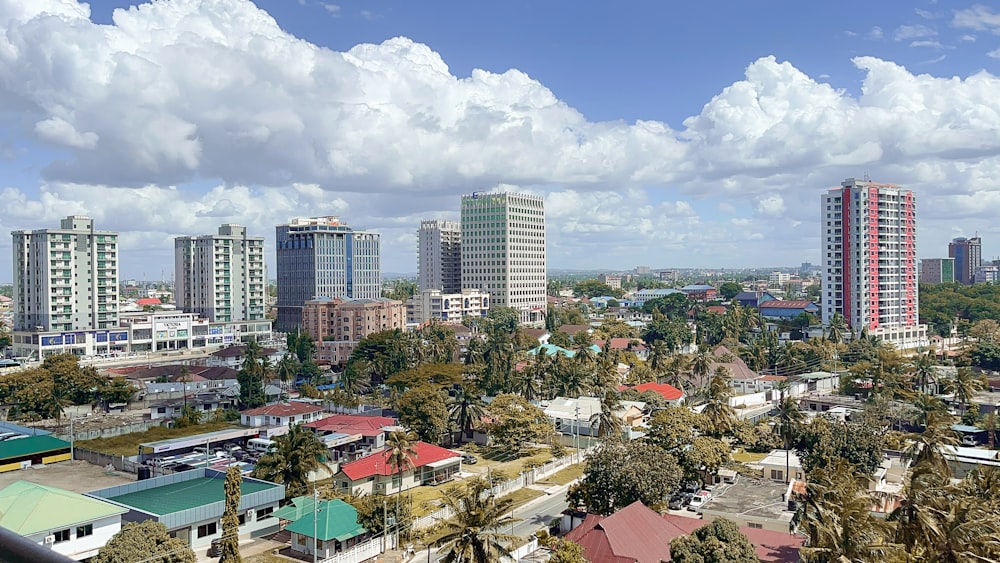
x,y
315,523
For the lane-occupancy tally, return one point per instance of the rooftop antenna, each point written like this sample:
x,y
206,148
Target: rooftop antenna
x,y
868,178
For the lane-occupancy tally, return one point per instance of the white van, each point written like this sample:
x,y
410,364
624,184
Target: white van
x,y
699,500
259,445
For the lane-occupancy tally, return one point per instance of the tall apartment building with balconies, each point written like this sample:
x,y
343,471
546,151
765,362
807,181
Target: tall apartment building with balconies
x,y
503,251
869,260
65,278
221,276
323,257
439,256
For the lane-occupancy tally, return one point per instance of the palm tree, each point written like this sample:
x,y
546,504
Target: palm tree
x,y
837,518
287,366
701,364
290,460
720,415
788,420
925,406
401,448
927,449
837,328
472,534
964,386
465,409
607,421
922,366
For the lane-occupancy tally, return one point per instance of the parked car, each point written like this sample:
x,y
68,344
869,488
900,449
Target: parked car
x,y
213,550
469,459
679,501
699,500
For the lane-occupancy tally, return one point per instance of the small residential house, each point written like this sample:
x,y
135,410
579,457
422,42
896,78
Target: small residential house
x,y
281,414
374,474
232,356
353,436
700,292
753,299
205,403
633,345
68,523
333,524
773,466
579,416
670,394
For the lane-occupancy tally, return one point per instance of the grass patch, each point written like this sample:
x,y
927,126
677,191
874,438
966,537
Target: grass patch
x,y
425,498
748,457
128,444
564,476
510,465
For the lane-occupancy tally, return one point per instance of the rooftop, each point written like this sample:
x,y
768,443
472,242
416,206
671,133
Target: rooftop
x,y
283,409
378,464
31,445
668,392
183,495
237,352
335,520
29,508
751,498
791,304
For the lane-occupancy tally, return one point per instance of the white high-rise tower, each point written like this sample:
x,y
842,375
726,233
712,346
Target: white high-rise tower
x,y
503,250
221,276
439,254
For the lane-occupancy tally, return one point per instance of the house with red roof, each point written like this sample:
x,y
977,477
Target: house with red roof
x,y
634,345
353,436
429,464
281,414
670,394
637,534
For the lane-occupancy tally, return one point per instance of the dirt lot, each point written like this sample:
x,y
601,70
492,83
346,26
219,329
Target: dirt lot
x,y
80,477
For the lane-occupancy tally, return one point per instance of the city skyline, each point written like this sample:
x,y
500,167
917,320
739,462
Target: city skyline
x,y
674,136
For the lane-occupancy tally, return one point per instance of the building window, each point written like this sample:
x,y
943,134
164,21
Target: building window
x,y
84,531
207,529
61,535
755,525
776,475
265,512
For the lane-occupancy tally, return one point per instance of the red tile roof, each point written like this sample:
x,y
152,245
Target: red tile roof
x,y
572,329
283,409
738,369
770,546
669,392
796,304
378,464
353,424
152,301
717,309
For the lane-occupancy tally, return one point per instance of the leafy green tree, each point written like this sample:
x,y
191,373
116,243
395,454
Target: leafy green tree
x,y
720,415
399,290
822,442
147,541
384,354
374,509
729,289
190,416
718,542
674,333
229,545
423,410
115,390
674,306
515,423
290,460
566,551
473,533
620,473
674,428
595,288
440,342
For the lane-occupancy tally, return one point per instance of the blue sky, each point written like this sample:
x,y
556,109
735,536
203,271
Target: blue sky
x,y
661,133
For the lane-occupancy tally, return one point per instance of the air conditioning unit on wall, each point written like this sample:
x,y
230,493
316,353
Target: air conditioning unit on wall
x,y
50,539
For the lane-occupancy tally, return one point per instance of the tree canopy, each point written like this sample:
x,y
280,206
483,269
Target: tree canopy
x,y
718,542
619,473
146,541
515,423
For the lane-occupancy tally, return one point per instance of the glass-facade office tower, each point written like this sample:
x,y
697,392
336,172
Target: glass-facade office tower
x,y
968,255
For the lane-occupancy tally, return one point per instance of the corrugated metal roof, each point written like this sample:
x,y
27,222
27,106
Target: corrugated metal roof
x,y
335,520
184,495
30,445
30,508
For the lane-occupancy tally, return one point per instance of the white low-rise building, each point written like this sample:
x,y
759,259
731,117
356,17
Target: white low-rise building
x,y
432,304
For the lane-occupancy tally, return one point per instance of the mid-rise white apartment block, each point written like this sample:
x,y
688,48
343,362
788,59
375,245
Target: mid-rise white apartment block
x,y
65,278
439,254
869,260
323,257
221,276
778,279
446,307
503,251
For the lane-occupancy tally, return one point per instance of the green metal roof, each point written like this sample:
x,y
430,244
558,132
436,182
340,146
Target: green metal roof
x,y
30,445
30,508
299,507
185,495
336,520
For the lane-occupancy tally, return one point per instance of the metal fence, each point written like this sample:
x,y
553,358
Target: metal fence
x,y
364,551
117,462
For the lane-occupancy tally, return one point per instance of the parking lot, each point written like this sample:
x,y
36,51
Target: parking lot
x,y
79,477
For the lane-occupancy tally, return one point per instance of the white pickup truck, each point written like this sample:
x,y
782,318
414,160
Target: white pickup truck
x,y
699,500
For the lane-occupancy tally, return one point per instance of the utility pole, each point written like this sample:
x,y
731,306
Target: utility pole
x,y
71,439
315,522
576,431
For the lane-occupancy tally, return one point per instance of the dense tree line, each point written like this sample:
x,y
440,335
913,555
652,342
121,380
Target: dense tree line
x,y
942,305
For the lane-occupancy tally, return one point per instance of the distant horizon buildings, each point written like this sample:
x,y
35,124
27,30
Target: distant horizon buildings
x,y
869,260
221,276
319,257
65,278
968,255
937,270
504,251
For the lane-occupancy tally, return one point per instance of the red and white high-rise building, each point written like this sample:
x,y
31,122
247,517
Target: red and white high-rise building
x,y
870,260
